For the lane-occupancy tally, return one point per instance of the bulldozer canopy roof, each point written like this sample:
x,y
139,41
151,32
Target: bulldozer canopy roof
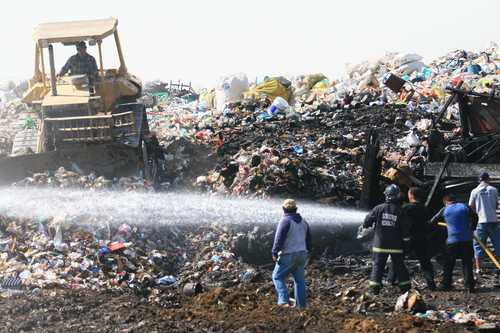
x,y
74,31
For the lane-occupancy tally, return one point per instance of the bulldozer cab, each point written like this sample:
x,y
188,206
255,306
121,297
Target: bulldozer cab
x,y
113,84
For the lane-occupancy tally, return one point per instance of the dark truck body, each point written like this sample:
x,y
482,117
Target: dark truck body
x,y
451,166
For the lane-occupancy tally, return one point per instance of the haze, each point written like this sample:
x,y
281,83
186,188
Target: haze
x,y
199,41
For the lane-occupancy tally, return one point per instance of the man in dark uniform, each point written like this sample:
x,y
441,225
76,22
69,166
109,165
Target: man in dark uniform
x,y
388,240
81,63
415,218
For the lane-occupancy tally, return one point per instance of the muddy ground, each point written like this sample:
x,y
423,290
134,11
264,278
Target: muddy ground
x,y
337,303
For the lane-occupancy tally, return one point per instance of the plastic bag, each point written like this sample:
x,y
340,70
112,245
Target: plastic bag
x,y
412,139
405,58
230,89
271,88
280,103
409,68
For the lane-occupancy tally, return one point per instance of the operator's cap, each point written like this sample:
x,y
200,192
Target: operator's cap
x,y
81,44
289,204
484,176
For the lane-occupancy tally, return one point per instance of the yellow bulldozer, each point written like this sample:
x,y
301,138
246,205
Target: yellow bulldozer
x,y
92,126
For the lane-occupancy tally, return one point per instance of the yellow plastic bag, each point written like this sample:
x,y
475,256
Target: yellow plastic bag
x,y
208,98
270,88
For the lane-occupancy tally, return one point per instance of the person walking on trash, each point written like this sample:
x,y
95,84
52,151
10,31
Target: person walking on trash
x,y
484,202
388,240
458,218
292,243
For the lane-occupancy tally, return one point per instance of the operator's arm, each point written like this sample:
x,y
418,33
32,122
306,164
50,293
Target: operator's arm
x,y
66,66
93,68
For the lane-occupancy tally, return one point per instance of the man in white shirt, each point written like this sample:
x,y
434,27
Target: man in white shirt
x,y
484,201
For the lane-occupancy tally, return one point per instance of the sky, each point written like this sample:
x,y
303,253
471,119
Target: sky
x,y
199,41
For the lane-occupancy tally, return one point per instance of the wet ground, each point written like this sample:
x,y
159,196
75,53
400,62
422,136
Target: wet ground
x,y
337,303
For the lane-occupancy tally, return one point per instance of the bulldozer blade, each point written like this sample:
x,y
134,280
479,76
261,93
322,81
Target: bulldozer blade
x,y
110,160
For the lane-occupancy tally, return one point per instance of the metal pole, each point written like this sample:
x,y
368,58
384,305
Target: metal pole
x,y
123,68
52,71
44,78
101,65
437,180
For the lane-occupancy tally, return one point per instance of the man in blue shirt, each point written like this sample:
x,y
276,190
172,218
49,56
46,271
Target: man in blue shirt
x,y
292,243
459,242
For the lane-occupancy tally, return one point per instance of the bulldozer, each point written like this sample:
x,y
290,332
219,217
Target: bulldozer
x,y
81,125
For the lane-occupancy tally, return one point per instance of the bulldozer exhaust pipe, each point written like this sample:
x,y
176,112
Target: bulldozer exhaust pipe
x,y
52,71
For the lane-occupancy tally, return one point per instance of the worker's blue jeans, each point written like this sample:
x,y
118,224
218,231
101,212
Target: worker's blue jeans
x,y
292,263
483,231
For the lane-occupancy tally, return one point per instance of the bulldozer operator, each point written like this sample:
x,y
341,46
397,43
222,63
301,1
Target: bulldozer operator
x,y
81,63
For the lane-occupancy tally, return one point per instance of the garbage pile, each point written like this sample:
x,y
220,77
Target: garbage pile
x,y
62,178
479,71
152,261
14,115
198,267
316,155
460,317
305,135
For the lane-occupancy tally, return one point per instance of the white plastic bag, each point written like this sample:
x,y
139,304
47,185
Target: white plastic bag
x,y
405,58
230,89
280,103
409,68
412,139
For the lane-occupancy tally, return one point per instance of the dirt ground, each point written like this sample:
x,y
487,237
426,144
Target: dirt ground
x,y
337,303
